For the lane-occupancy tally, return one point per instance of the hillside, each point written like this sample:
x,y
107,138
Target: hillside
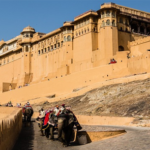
x,y
126,100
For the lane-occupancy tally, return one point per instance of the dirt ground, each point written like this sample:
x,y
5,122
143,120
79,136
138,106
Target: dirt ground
x,y
127,100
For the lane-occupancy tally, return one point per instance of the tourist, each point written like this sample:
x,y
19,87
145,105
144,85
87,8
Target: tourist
x,y
27,112
9,104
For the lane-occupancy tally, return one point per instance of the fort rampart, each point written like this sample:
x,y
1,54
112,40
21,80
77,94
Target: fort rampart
x,y
10,126
66,84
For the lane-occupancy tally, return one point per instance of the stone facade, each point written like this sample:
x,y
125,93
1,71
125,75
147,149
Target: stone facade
x,y
90,41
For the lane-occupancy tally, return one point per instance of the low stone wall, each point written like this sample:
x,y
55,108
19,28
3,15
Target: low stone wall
x,y
10,126
103,120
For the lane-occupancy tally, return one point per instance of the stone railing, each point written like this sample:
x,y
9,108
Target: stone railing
x,y
140,41
10,126
126,10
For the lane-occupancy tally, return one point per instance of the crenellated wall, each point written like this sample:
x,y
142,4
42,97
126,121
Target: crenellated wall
x,y
10,126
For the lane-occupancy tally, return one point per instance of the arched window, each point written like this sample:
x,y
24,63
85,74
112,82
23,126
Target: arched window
x,y
27,49
113,14
121,48
51,47
95,29
65,39
142,29
107,13
126,22
39,52
102,15
121,29
126,29
68,38
54,46
148,30
42,51
58,44
108,22
61,43
103,23
88,29
121,20
79,32
134,27
76,33
113,23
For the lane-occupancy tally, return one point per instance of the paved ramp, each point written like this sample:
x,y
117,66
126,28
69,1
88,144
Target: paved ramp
x,y
134,139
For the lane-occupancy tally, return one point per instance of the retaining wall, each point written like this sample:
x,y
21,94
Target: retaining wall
x,y
10,126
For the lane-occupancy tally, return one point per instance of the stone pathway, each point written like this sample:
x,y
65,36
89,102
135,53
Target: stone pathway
x,y
136,138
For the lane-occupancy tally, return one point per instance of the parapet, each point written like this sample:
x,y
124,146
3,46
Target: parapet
x,y
140,41
10,126
127,10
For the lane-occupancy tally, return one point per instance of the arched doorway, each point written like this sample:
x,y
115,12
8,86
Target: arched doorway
x,y
121,48
134,27
142,29
148,31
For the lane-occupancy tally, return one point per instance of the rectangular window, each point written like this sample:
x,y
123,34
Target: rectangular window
x,y
54,46
51,47
61,43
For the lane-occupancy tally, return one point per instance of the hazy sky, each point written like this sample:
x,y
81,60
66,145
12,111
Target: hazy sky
x,y
48,15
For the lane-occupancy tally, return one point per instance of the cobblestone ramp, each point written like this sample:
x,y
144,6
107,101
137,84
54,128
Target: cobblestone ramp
x,y
134,139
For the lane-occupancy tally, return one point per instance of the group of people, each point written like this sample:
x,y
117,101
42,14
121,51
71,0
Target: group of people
x,y
112,61
27,110
9,104
23,85
60,119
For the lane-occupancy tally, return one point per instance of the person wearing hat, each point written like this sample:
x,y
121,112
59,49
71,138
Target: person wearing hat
x,y
28,112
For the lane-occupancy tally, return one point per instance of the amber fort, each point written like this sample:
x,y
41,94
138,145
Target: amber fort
x,y
77,54
101,52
